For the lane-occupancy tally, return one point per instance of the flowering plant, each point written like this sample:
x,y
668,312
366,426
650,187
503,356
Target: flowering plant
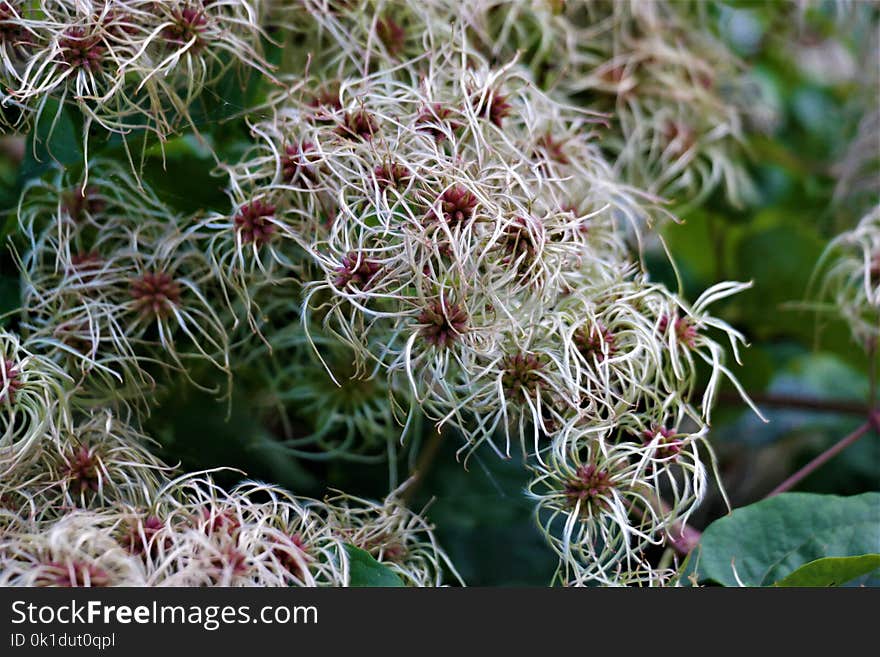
x,y
346,234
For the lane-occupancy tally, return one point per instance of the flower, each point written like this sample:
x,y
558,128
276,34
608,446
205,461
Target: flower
x,y
155,293
356,272
82,50
457,205
253,222
442,322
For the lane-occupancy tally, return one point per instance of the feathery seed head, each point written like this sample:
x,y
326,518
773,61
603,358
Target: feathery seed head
x,y
442,323
155,294
253,222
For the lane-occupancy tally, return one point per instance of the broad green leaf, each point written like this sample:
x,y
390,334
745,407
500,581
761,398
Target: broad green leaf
x,y
367,572
832,571
762,543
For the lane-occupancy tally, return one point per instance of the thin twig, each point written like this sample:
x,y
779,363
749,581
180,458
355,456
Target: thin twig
x,y
423,465
828,454
772,400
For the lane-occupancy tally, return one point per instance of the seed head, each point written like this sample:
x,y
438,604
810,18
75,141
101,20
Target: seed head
x,y
679,137
668,446
295,162
139,537
11,381
85,263
442,323
221,522
457,205
430,118
77,202
358,124
685,331
392,175
71,573
874,270
595,342
10,26
187,24
518,242
356,271
521,374
155,293
251,222
589,487
82,470
230,560
392,35
494,107
551,149
286,548
81,50
325,102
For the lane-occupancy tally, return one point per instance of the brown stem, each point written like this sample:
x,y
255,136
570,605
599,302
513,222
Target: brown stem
x,y
872,423
423,465
793,401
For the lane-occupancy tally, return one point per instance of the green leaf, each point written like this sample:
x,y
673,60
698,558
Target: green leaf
x,y
55,137
367,572
832,571
762,543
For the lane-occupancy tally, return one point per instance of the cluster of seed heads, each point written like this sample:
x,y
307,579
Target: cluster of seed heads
x,y
84,503
418,233
459,233
125,64
677,97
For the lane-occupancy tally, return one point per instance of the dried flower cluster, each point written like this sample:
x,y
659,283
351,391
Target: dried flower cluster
x,y
126,65
677,96
417,231
86,504
460,233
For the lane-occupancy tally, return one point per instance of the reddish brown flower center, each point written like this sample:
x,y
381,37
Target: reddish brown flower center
x,y
457,205
11,381
667,445
253,222
78,202
83,470
297,162
589,487
356,272
187,24
685,331
392,175
441,323
595,342
155,293
81,50
521,375
358,124
139,537
71,574
492,106
392,35
435,120
292,554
